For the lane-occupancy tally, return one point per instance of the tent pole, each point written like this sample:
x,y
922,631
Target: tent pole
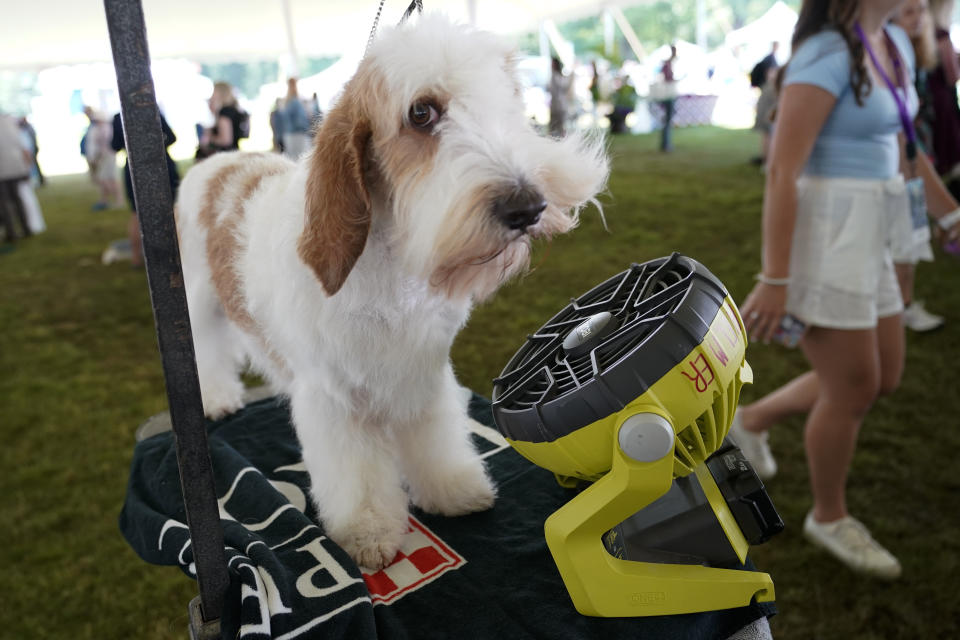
x,y
702,24
560,47
154,205
609,33
544,40
627,32
472,12
294,70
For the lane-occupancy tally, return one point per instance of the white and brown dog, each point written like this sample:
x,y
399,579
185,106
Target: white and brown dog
x,y
345,277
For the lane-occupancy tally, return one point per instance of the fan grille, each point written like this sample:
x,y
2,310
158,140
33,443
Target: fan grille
x,y
541,370
660,310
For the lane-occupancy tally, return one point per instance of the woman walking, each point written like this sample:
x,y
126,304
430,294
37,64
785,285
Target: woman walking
x,y
834,191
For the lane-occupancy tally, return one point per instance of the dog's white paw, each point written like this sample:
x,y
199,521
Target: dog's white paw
x,y
372,539
222,400
463,491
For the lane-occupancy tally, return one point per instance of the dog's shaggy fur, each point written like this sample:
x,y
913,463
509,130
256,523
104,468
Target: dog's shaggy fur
x,y
345,277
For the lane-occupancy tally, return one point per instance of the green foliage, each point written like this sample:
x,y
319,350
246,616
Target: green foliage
x,y
586,33
79,370
248,77
625,97
311,66
16,90
662,22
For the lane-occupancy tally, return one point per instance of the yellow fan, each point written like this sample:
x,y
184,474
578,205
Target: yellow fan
x,y
631,389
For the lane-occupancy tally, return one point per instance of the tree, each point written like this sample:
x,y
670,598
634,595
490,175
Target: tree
x,y
17,88
661,22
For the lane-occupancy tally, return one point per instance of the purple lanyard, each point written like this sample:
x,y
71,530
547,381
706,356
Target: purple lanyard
x,y
905,119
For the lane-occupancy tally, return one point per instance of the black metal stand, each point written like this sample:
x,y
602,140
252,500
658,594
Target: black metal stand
x,y
151,188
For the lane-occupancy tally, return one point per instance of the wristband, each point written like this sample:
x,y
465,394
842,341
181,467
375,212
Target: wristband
x,y
776,282
947,221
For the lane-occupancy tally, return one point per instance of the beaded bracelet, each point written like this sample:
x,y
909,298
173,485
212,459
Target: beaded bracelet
x,y
776,282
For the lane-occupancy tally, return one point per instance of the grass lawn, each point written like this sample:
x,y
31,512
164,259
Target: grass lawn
x,y
80,370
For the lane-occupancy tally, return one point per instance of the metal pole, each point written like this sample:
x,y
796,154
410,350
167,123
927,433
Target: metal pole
x,y
154,204
609,33
701,24
472,12
627,31
294,69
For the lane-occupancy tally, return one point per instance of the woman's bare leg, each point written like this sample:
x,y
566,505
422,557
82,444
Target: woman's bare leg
x,y
797,396
848,367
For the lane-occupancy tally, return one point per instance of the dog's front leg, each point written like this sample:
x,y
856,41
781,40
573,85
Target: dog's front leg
x,y
444,472
355,482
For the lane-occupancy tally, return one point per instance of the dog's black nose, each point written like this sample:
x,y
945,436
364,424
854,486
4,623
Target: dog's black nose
x,y
520,209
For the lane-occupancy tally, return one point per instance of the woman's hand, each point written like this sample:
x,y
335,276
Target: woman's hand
x,y
763,310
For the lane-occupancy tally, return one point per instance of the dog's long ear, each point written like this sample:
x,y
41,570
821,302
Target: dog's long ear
x,y
337,216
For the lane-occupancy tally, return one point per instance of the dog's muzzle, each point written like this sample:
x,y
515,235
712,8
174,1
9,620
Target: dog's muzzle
x,y
520,209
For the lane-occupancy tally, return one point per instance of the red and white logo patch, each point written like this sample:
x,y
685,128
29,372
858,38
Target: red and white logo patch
x,y
422,558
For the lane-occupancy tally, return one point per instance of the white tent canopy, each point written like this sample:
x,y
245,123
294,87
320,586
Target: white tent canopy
x,y
67,42
754,39
46,33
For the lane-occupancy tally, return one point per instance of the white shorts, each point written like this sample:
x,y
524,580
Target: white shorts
x,y
841,271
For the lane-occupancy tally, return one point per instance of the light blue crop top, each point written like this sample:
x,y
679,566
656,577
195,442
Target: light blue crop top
x,y
856,141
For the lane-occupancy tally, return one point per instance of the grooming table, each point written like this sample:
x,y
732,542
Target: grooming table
x,y
485,575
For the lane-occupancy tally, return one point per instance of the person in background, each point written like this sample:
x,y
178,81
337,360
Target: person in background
x,y
316,113
834,193
760,71
101,159
766,104
560,86
227,128
668,73
624,102
276,125
27,130
133,225
296,123
595,93
28,195
764,77
942,83
14,170
914,18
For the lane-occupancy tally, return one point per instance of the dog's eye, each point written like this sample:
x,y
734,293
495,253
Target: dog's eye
x,y
423,115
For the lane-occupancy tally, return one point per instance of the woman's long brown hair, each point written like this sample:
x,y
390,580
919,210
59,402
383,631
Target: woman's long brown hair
x,y
817,15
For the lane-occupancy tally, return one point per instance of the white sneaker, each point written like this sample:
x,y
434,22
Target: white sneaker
x,y
919,319
754,448
852,544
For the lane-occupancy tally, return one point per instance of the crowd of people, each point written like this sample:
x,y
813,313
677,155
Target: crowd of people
x,y
293,123
862,122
